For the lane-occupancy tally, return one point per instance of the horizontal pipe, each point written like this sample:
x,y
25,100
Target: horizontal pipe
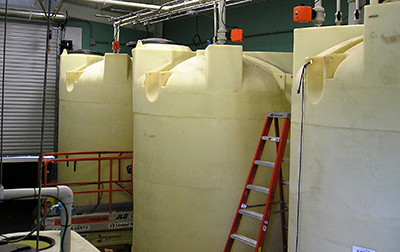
x,y
126,4
165,8
152,17
60,18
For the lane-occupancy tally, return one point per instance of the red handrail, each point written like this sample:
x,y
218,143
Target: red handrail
x,y
112,156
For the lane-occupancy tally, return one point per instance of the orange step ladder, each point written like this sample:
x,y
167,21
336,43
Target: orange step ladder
x,y
276,181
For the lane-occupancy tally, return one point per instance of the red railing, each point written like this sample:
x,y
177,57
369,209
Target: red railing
x,y
98,156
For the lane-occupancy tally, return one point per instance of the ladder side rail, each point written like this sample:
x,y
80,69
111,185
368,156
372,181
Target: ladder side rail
x,y
273,185
283,217
281,194
250,180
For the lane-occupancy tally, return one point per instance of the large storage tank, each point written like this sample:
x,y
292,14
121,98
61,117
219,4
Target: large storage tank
x,y
197,121
351,136
95,114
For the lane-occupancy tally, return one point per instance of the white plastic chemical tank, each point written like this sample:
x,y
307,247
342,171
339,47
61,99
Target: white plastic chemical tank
x,y
197,121
351,136
95,113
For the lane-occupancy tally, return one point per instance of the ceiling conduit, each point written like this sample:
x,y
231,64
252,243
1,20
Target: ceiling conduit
x,y
127,4
30,15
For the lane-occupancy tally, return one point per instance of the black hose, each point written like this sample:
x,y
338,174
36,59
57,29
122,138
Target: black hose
x,y
268,34
46,61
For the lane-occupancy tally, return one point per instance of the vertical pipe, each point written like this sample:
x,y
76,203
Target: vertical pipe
x,y
65,236
357,13
338,14
215,22
320,13
222,17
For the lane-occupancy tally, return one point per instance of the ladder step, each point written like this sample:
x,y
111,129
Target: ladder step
x,y
264,163
244,239
273,139
251,214
258,188
279,115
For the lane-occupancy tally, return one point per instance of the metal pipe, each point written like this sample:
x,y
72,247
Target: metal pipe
x,y
127,4
60,18
215,22
222,17
168,16
357,13
63,193
185,4
152,17
320,13
175,7
338,14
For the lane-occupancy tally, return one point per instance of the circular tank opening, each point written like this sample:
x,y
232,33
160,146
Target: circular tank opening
x,y
44,241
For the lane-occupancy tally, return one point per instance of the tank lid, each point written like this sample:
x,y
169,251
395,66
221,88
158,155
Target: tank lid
x,y
85,51
150,41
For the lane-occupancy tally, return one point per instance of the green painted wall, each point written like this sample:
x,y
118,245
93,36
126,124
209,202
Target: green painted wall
x,y
103,35
255,18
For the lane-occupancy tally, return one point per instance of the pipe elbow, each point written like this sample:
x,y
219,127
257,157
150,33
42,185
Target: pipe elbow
x,y
65,194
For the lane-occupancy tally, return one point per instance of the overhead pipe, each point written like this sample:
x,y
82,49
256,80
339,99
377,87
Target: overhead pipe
x,y
183,5
127,4
169,16
59,18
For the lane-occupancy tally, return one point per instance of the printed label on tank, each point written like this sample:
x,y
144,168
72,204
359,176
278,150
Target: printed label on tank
x,y
360,249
